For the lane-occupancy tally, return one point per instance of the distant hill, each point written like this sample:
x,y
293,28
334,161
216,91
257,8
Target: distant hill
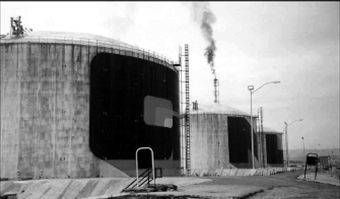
x,y
297,154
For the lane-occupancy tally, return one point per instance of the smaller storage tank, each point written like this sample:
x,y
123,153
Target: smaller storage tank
x,y
273,146
220,138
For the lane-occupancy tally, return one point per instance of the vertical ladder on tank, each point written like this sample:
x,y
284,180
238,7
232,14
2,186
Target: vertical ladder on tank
x,y
182,130
187,109
182,117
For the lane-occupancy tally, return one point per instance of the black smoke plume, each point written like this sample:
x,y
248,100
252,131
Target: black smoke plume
x,y
205,17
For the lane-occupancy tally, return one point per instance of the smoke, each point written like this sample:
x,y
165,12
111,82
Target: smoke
x,y
202,14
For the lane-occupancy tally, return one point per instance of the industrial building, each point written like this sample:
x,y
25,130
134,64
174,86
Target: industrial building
x,y
79,105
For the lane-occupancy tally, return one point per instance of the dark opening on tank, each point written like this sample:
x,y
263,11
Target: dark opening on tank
x,y
133,104
240,142
274,154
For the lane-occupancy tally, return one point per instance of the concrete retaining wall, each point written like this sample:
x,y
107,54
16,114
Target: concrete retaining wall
x,y
241,172
65,188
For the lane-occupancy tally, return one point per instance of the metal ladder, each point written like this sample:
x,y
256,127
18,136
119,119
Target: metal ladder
x,y
187,110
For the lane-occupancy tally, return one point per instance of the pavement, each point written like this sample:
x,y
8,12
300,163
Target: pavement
x,y
200,187
110,187
192,188
106,188
196,187
324,178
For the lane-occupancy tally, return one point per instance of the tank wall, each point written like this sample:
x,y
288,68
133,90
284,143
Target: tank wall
x,y
216,137
274,150
44,106
262,149
9,109
240,142
209,141
45,103
133,104
280,150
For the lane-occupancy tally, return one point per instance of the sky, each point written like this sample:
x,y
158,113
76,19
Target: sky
x,y
296,43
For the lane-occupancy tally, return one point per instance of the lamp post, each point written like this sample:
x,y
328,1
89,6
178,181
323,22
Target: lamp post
x,y
251,88
303,143
287,154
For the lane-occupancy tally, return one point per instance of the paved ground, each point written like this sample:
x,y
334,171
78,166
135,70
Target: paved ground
x,y
321,178
284,185
323,187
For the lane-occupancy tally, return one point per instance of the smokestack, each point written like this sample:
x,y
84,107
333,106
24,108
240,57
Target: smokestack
x,y
205,17
216,92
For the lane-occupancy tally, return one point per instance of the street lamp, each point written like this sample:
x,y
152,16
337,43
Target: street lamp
x,y
303,143
287,155
251,88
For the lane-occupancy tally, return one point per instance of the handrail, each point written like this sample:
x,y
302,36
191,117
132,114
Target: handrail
x,y
152,162
145,176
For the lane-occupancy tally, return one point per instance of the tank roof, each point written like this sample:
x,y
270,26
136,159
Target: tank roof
x,y
270,131
82,39
57,35
218,109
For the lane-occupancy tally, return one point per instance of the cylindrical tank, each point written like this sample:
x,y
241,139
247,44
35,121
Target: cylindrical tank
x,y
79,105
220,138
274,147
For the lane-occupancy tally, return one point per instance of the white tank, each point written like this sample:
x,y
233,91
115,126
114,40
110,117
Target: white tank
x,y
220,138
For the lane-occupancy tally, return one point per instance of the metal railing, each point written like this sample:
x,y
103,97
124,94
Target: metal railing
x,y
141,180
144,178
109,43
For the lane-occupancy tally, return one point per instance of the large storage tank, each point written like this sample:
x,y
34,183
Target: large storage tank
x,y
220,138
79,105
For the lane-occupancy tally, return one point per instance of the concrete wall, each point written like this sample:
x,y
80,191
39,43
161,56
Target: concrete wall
x,y
65,188
44,105
44,110
209,141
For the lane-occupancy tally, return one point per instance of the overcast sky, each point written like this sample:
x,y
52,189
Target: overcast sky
x,y
296,43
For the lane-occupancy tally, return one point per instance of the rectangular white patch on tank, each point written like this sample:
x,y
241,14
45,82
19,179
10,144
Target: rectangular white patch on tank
x,y
158,112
